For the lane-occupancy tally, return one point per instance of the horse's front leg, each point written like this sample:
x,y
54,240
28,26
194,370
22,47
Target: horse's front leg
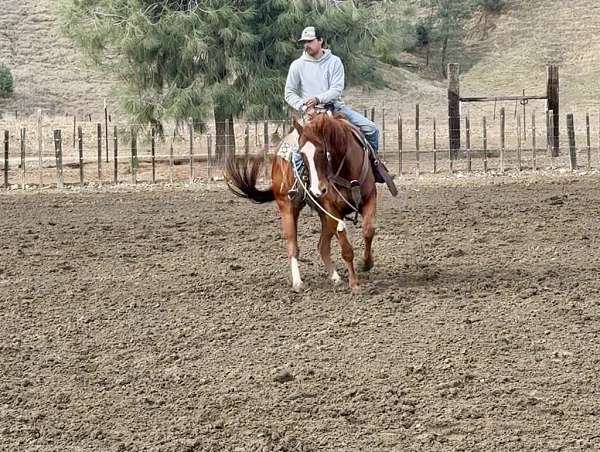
x,y
327,230
289,225
368,230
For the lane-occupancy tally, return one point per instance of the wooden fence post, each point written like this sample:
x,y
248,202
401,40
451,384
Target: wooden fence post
x,y
6,146
372,114
572,148
502,142
534,156
399,146
524,103
519,167
417,156
134,155
153,154
383,131
99,137
550,136
434,147
171,163
115,154
225,154
266,146
589,143
453,109
80,154
191,130
106,129
552,86
485,155
247,140
59,157
40,146
23,143
209,156
468,142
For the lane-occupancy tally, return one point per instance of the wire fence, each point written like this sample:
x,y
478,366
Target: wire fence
x,y
47,152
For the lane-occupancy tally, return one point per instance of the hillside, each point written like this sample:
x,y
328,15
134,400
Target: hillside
x,y
504,54
527,36
48,71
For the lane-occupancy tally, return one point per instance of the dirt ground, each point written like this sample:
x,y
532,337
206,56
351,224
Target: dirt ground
x,y
161,319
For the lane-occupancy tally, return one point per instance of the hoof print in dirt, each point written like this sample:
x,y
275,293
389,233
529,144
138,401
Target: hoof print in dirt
x,y
283,376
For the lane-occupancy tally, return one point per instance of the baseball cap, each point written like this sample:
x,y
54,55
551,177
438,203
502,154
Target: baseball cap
x,y
308,34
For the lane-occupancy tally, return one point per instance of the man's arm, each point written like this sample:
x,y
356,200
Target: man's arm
x,y
336,86
292,89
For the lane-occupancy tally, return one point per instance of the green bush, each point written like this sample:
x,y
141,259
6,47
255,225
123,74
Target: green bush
x,y
6,82
423,32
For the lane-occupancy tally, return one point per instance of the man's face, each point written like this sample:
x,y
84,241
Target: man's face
x,y
314,47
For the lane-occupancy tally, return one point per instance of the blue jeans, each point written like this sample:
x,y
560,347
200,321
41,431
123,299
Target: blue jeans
x,y
368,128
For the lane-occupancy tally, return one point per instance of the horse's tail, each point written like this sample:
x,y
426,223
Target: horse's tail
x,y
241,179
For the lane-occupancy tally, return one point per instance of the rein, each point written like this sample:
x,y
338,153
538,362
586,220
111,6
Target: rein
x,y
341,225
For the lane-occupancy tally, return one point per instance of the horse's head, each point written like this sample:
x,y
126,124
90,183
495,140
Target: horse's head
x,y
321,141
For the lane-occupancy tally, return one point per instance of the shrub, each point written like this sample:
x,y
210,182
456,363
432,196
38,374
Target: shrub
x,y
6,82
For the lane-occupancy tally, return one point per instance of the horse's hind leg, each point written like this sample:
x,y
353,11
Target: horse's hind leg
x,y
327,231
368,231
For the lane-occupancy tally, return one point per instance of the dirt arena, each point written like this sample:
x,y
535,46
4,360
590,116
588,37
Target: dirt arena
x,y
161,319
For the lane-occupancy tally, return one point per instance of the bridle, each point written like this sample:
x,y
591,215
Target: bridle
x,y
353,185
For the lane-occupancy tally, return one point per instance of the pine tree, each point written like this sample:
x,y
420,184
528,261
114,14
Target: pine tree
x,y
185,58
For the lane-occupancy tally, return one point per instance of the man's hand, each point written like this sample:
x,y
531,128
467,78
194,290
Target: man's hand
x,y
310,113
311,102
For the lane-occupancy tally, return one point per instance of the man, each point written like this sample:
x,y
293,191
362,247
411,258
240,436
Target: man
x,y
317,78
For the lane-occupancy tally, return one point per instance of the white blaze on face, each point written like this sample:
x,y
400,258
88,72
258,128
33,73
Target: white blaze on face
x,y
309,151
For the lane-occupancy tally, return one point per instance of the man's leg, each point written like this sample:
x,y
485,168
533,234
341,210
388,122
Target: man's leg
x,y
368,128
371,133
295,192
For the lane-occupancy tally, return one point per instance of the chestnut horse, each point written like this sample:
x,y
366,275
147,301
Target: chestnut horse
x,y
341,182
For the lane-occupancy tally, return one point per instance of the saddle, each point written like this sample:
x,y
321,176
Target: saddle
x,y
380,171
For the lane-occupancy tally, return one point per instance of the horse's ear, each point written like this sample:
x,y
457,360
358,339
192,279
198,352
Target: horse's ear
x,y
297,124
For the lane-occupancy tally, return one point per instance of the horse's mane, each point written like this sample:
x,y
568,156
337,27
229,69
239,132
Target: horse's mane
x,y
333,131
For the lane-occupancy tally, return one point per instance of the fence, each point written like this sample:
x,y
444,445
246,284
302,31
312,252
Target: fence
x,y
51,153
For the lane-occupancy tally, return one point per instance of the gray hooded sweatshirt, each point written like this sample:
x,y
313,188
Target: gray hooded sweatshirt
x,y
322,78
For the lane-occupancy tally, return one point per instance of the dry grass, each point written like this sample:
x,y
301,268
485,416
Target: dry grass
x,y
48,70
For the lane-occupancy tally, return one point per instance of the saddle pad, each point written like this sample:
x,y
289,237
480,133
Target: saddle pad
x,y
288,145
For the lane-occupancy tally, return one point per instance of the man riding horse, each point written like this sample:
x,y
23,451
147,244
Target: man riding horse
x,y
317,79
339,159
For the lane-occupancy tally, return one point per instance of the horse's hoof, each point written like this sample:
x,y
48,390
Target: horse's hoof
x,y
365,266
298,287
336,279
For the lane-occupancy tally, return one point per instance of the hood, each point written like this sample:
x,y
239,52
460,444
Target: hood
x,y
326,55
